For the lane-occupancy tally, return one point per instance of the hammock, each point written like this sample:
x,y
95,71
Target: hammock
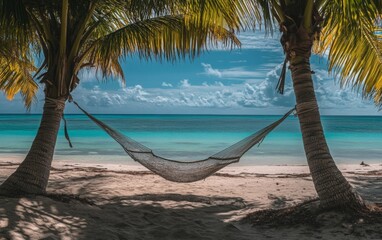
x,y
178,171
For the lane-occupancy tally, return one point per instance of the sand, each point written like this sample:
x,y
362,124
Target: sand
x,y
129,202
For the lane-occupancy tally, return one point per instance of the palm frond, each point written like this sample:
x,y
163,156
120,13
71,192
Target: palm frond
x,y
15,77
16,46
159,30
354,49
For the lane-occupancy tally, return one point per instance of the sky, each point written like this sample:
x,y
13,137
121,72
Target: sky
x,y
220,81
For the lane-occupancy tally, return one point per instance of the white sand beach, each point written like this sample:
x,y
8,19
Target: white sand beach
x,y
129,202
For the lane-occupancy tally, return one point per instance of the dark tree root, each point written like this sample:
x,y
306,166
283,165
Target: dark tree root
x,y
309,213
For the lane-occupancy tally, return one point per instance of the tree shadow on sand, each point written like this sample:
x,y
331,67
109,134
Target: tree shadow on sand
x,y
366,224
129,217
91,214
37,218
369,185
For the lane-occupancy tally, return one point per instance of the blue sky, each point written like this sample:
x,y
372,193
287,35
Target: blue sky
x,y
239,81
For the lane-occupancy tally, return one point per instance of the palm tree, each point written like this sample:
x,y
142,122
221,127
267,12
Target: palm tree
x,y
345,30
70,35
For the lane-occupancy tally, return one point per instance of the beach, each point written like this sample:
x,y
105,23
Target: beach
x,y
117,201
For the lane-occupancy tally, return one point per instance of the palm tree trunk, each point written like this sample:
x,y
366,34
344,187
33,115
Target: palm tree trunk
x,y
31,177
333,189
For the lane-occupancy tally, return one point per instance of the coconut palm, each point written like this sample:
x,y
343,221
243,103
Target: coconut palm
x,y
345,31
65,36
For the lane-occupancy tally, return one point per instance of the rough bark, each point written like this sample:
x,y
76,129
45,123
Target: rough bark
x,y
333,189
31,177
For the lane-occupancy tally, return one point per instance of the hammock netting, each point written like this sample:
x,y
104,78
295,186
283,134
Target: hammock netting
x,y
181,171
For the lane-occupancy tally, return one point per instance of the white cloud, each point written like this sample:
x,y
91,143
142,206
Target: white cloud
x,y
165,84
216,83
216,95
184,83
208,70
230,73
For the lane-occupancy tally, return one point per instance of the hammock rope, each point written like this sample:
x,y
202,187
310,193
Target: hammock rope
x,y
181,171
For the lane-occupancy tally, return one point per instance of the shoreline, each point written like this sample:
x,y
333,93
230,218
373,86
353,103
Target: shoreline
x,y
234,170
125,160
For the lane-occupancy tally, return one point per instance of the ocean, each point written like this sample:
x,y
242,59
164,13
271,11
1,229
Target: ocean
x,y
352,139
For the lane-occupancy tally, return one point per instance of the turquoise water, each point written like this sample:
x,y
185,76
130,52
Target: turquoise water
x,y
352,139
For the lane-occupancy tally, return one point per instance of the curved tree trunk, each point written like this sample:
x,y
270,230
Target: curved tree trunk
x,y
31,177
333,189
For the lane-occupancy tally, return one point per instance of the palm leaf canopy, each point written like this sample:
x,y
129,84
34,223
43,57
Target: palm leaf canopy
x,y
68,35
350,36
99,33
